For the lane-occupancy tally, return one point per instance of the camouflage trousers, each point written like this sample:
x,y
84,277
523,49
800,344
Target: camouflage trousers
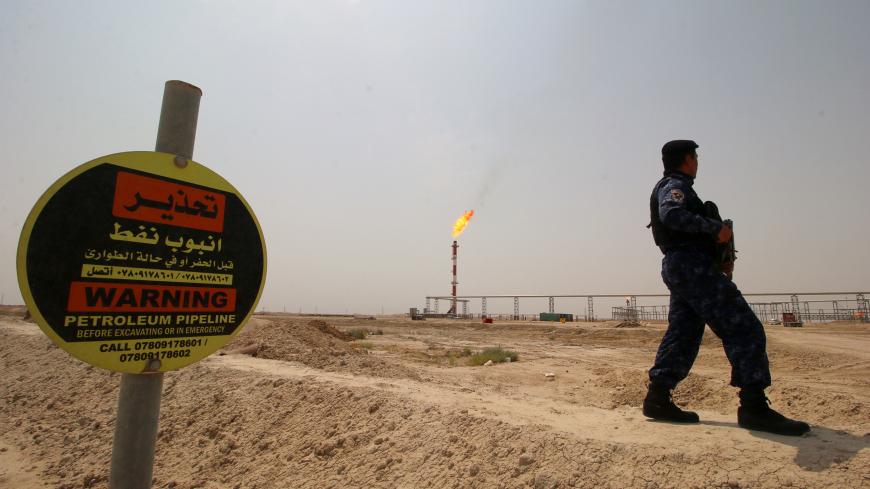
x,y
701,294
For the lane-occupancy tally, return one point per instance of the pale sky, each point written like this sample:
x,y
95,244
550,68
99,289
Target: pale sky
x,y
359,131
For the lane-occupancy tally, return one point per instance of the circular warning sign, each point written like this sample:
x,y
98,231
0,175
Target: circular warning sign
x,y
134,263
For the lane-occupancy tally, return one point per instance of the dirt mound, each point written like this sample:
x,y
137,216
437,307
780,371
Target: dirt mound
x,y
707,393
628,324
623,386
20,312
313,343
803,357
330,330
833,409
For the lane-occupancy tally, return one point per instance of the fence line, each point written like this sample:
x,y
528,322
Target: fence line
x,y
767,312
857,309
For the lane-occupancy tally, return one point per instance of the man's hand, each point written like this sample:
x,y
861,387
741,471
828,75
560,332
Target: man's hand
x,y
724,234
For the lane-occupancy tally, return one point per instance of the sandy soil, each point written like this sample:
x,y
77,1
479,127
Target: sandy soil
x,y
404,409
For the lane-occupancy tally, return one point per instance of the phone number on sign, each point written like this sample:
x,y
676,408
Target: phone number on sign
x,y
161,344
154,355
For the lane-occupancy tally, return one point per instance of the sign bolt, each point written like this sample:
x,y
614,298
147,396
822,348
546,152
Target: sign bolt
x,y
153,365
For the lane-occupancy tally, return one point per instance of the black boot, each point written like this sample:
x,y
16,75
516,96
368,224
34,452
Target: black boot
x,y
755,414
658,405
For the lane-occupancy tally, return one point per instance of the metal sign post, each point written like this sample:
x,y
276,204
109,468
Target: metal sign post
x,y
139,399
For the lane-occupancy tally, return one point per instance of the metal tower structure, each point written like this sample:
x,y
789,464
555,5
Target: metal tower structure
x,y
453,283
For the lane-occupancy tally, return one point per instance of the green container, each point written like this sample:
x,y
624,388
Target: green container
x,y
556,316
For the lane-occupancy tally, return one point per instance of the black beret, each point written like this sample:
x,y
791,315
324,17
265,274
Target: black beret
x,y
678,147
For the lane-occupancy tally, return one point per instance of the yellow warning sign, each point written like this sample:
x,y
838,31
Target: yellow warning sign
x,y
133,264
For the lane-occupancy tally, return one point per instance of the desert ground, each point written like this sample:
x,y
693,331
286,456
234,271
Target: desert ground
x,y
297,402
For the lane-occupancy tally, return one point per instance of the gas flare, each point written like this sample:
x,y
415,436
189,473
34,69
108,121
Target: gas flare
x,y
460,223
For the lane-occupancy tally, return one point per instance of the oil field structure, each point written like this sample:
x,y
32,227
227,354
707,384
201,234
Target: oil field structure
x,y
793,309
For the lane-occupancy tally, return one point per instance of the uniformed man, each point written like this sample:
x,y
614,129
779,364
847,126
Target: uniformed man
x,y
702,292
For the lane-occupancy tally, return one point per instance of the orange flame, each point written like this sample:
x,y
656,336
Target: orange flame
x,y
460,223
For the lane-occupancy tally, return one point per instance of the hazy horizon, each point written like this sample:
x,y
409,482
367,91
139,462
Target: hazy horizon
x,y
359,131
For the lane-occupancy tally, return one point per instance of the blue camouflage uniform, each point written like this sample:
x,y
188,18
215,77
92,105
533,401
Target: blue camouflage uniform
x,y
700,292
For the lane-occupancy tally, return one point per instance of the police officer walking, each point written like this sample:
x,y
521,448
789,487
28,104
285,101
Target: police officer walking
x,y
687,232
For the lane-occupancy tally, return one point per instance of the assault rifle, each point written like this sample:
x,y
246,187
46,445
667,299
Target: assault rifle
x,y
726,254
